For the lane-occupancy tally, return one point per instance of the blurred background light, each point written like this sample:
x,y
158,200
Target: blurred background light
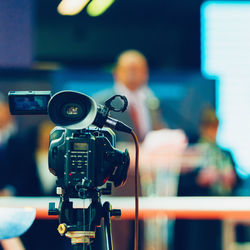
x,y
71,7
98,7
167,34
225,54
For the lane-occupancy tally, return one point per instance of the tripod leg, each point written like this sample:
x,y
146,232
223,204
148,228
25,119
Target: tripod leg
x,y
107,225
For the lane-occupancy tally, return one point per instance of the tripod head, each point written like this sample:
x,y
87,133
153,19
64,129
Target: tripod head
x,y
80,224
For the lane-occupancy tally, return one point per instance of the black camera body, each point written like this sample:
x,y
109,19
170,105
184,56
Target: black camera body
x,y
82,154
85,159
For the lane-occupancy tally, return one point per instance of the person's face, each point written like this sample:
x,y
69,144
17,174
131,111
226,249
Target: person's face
x,y
210,132
5,116
132,71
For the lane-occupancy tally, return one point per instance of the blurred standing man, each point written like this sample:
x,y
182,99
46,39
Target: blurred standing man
x,y
131,77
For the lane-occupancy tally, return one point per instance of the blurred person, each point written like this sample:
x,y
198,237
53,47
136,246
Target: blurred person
x,y
214,176
28,159
219,174
8,129
130,79
30,151
143,114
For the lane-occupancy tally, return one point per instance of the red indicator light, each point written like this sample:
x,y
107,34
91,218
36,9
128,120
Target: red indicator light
x,y
70,174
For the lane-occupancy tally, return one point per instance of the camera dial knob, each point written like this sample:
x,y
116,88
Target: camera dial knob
x,y
62,229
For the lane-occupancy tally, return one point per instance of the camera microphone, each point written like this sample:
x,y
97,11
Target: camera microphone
x,y
117,125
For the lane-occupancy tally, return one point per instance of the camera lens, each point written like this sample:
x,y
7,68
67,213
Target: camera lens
x,y
72,110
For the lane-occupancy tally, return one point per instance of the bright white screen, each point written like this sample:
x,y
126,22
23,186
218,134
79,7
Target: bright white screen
x,y
225,54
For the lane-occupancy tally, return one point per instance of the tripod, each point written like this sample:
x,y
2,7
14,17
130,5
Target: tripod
x,y
80,224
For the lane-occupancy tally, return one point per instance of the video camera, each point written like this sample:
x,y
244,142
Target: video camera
x,y
82,154
79,154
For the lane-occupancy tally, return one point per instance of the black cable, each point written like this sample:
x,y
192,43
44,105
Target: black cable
x,y
136,189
